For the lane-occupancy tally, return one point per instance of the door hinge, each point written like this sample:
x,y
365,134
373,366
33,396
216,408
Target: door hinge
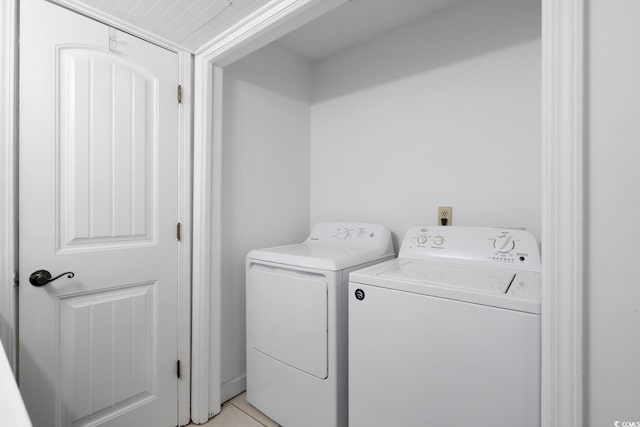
x,y
178,370
16,279
179,94
178,231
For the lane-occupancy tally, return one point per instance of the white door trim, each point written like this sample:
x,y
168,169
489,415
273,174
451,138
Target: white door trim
x,y
257,30
205,357
8,38
275,19
185,135
563,24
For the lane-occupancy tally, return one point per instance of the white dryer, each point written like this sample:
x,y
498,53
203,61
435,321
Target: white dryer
x,y
447,334
297,322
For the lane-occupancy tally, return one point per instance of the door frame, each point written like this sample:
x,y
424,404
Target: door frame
x,y
8,179
9,190
258,29
563,209
562,145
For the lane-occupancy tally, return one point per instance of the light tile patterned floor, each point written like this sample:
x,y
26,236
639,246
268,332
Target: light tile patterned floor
x,y
239,413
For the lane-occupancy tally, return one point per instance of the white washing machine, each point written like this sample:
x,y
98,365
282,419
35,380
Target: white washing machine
x,y
297,322
447,334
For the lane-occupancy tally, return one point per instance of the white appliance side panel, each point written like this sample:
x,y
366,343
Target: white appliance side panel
x,y
290,308
417,360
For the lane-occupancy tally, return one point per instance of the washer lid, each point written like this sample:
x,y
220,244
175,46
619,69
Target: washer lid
x,y
333,246
491,281
509,289
318,257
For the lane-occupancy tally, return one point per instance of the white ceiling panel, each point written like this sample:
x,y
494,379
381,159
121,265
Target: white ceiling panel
x,y
193,17
187,23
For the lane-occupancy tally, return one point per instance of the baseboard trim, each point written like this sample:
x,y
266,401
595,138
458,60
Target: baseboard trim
x,y
234,387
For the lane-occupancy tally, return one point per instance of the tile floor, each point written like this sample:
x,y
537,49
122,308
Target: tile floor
x,y
239,413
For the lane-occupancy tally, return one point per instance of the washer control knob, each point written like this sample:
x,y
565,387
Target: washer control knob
x,y
422,239
438,240
504,244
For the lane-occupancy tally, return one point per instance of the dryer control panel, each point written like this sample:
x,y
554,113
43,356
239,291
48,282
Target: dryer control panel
x,y
352,234
497,247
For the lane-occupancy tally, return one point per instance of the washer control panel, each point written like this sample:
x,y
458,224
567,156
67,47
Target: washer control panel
x,y
514,249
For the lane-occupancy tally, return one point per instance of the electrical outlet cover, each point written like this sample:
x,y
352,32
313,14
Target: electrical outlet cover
x,y
445,215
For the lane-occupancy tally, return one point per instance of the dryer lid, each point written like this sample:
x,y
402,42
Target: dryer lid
x,y
333,246
318,257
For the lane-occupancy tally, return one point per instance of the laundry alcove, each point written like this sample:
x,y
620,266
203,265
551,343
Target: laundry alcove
x,y
367,114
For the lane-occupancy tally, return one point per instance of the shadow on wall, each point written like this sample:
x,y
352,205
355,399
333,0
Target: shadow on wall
x,y
6,335
461,31
44,388
274,69
265,179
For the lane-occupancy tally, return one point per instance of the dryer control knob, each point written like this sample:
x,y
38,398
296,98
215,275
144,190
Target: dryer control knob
x,y
422,239
343,234
438,240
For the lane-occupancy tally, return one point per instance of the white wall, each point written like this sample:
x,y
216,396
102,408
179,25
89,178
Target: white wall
x,y
7,201
265,200
443,112
613,213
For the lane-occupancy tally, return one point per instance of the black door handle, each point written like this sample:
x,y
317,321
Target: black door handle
x,y
42,277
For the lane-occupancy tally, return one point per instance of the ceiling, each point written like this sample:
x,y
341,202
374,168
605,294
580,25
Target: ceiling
x,y
190,24
186,23
354,22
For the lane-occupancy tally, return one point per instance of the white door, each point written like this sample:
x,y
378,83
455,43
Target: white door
x,y
98,197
